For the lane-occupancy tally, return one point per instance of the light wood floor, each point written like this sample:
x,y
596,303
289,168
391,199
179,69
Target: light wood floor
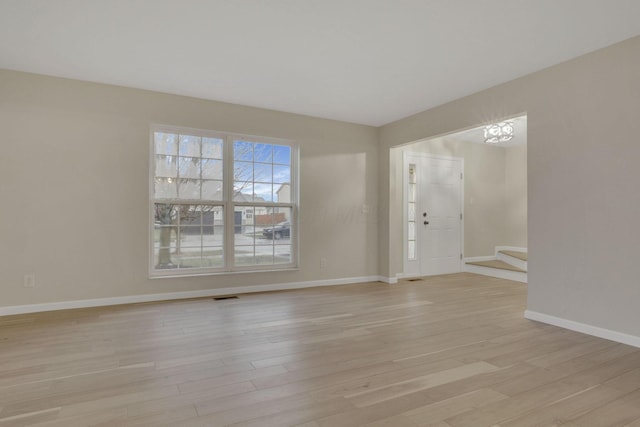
x,y
446,351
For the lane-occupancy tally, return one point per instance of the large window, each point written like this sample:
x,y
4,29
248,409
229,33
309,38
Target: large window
x,y
221,203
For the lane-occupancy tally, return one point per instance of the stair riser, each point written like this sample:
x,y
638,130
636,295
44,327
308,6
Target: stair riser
x,y
496,272
522,265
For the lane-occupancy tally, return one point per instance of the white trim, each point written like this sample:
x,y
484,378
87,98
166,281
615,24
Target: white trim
x,y
516,276
595,331
132,299
516,262
388,280
510,248
479,258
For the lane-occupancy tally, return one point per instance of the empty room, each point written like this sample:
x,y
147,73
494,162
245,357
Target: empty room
x,y
319,213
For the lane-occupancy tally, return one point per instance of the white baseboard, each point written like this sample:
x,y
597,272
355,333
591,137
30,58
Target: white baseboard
x,y
132,299
595,331
389,280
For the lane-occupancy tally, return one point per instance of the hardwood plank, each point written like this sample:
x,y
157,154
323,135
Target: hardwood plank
x,y
448,408
621,412
398,389
566,409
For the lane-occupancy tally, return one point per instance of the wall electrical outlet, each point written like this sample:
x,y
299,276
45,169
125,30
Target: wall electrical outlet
x,y
29,281
323,262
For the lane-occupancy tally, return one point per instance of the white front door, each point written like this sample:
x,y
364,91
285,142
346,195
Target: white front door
x,y
433,215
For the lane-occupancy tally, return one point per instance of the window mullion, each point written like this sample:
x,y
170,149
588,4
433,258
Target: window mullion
x,y
229,241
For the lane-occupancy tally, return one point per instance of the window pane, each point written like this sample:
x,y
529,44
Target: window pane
x,y
243,171
263,153
212,190
165,188
165,237
282,193
182,231
189,189
264,255
274,224
243,256
243,192
213,215
213,226
162,259
188,258
190,237
189,167
411,231
244,236
412,174
282,254
257,245
282,154
243,150
165,214
190,146
263,172
411,253
190,214
412,193
281,174
263,192
263,217
166,166
411,212
212,235
212,148
212,257
165,143
212,169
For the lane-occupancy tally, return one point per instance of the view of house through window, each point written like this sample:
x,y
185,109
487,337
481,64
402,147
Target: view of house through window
x,y
221,203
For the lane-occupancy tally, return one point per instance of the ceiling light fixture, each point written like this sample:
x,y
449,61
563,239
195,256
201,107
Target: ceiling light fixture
x,y
498,132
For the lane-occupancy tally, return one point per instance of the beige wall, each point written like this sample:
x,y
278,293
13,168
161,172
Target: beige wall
x,y
74,189
491,200
583,127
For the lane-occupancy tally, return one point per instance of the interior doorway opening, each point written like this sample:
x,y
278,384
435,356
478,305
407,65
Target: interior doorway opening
x,y
492,210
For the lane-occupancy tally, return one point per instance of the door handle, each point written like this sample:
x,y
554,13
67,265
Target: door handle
x,y
426,222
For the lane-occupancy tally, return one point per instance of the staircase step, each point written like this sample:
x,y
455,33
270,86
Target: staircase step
x,y
497,264
523,256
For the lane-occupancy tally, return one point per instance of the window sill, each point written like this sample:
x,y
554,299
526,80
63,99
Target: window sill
x,y
220,273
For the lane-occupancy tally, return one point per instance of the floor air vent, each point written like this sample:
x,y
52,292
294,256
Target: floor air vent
x,y
415,280
227,297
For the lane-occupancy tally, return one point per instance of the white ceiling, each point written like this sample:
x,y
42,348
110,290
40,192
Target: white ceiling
x,y
361,61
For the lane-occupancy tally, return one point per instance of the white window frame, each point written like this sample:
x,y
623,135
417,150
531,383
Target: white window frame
x,y
227,203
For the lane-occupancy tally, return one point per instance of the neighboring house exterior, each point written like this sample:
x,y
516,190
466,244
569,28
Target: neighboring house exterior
x,y
283,194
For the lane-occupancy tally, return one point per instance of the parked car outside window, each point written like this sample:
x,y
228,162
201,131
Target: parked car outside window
x,y
278,231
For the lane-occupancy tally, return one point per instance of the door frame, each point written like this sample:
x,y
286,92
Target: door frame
x,y
407,157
